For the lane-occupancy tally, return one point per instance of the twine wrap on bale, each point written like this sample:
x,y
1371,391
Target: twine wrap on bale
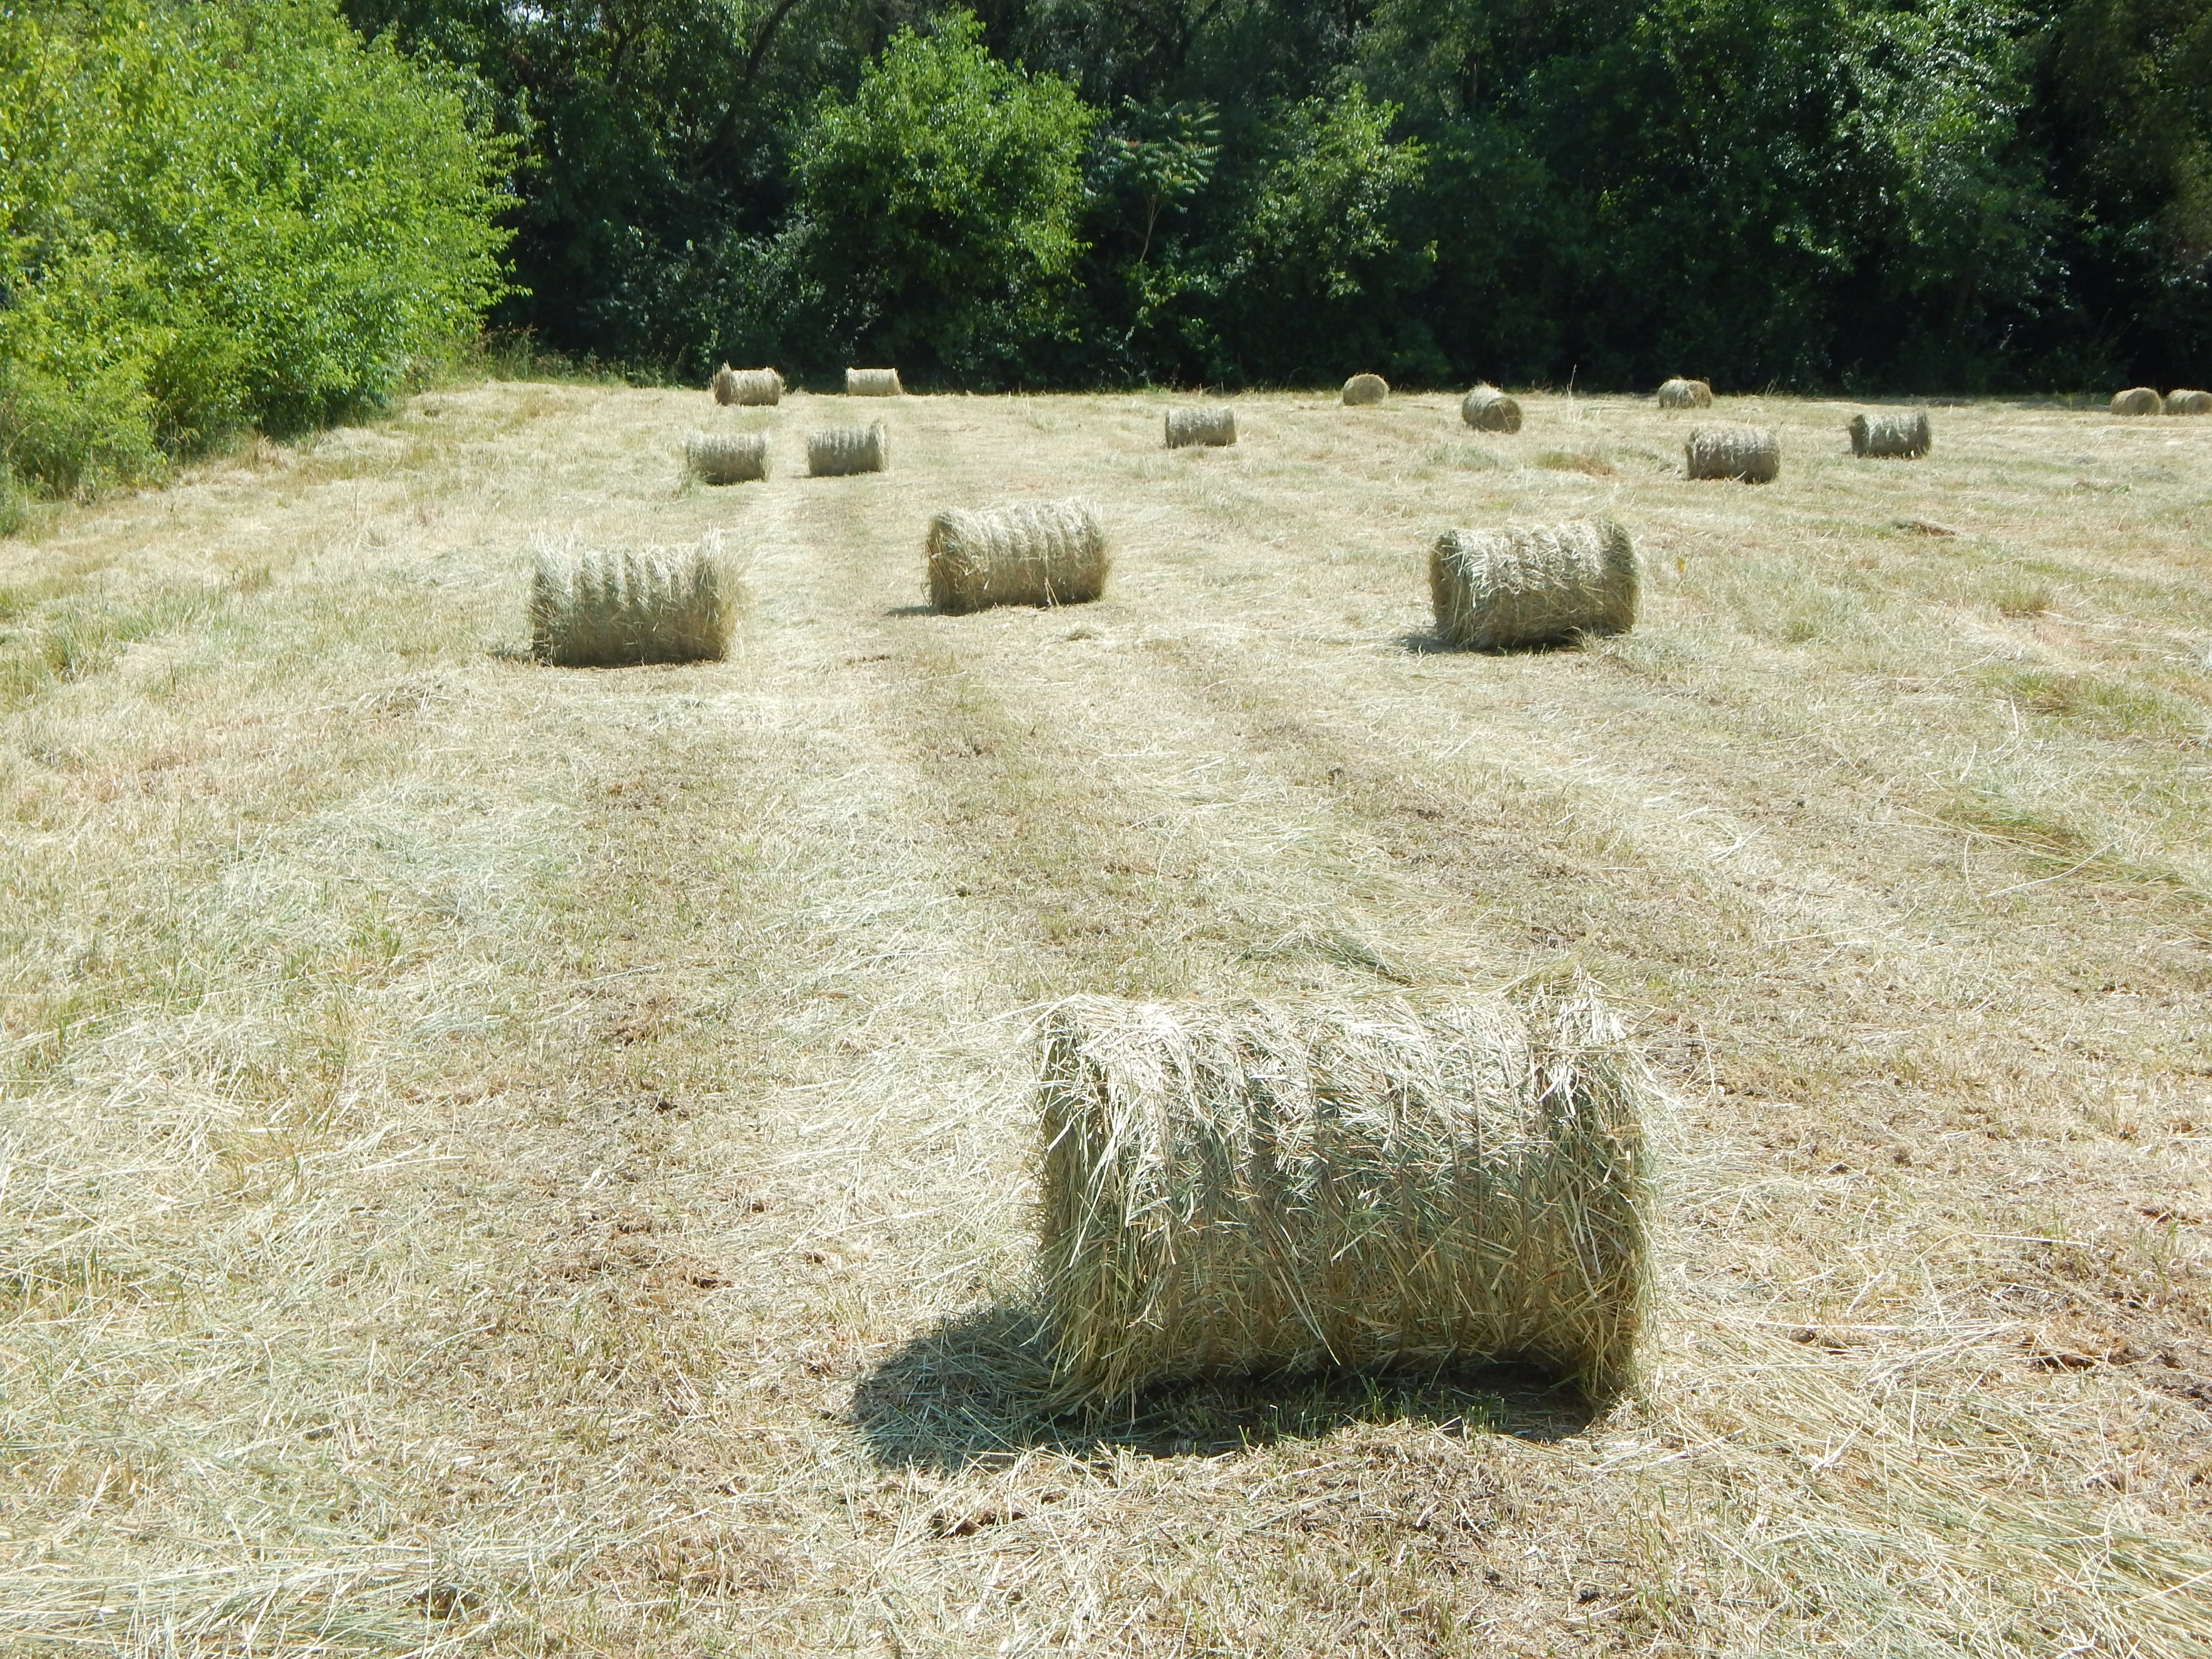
x,y
750,387
1531,584
1488,410
2189,403
1892,437
838,452
1752,454
872,383
726,458
1021,553
1214,428
1367,389
2138,400
1242,1188
1685,394
598,609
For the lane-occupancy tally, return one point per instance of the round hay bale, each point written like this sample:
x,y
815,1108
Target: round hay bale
x,y
2189,403
2138,400
1892,437
1488,410
1752,454
872,383
601,608
750,387
726,458
837,452
1531,584
1240,1188
1018,553
1361,389
1685,394
1214,428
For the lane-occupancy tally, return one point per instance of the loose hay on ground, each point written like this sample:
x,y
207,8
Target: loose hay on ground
x,y
1361,389
1020,553
1685,394
1248,1187
1750,453
726,458
1533,584
599,608
748,387
1488,410
2138,400
839,452
1214,428
1892,437
872,383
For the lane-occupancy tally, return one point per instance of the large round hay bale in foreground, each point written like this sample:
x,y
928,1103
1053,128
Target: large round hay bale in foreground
x,y
1019,553
602,608
1892,437
1367,389
872,383
2138,400
2189,403
1247,1188
1488,410
726,458
753,387
1685,394
838,452
1214,428
1533,585
1750,454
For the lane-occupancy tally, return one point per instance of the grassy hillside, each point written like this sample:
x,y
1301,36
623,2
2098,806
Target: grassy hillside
x,y
501,1158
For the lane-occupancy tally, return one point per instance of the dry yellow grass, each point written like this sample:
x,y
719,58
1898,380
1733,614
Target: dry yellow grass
x,y
533,1163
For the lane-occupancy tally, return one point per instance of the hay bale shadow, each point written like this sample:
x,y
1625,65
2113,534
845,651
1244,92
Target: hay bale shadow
x,y
1427,642
976,1389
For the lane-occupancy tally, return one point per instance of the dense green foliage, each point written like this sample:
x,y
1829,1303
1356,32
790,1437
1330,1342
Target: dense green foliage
x,y
218,214
1923,194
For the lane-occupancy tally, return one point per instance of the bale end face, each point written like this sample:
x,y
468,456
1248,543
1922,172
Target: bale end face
x,y
2189,403
1892,437
726,458
1533,584
1752,454
598,609
872,383
1365,389
1488,410
1047,553
1214,428
1252,1187
841,451
2138,400
1685,394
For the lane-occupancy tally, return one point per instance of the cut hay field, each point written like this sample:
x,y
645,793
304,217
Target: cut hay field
x,y
507,1159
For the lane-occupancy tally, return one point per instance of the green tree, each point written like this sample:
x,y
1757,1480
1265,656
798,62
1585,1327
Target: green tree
x,y
938,205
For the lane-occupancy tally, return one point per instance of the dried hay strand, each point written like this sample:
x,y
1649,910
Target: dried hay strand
x,y
1363,389
1488,410
1892,437
1237,1188
872,383
1533,585
605,608
838,452
2138,400
726,458
1685,394
2189,403
750,387
1214,428
1017,553
1752,454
